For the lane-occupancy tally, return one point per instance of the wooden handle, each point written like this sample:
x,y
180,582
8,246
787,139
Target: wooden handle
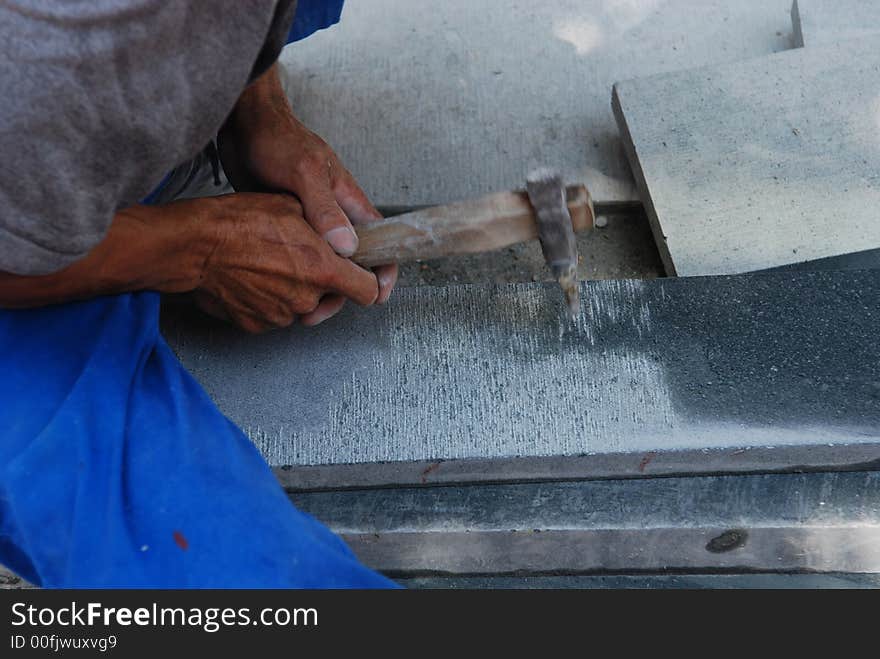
x,y
480,225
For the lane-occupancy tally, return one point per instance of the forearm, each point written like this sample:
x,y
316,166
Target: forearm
x,y
160,248
262,103
261,114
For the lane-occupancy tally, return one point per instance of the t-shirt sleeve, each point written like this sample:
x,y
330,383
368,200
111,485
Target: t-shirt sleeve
x,y
99,100
48,217
23,255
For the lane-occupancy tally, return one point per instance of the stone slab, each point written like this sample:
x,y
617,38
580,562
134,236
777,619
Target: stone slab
x,y
810,530
753,581
823,22
431,102
779,523
758,164
696,375
651,581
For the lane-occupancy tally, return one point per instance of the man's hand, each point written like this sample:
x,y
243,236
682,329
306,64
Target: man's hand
x,y
248,257
269,267
263,146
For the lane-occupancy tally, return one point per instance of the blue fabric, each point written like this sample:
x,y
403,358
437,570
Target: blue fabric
x,y
117,470
313,15
151,198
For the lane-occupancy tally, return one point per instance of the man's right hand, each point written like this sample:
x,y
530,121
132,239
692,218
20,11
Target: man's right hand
x,y
269,267
248,257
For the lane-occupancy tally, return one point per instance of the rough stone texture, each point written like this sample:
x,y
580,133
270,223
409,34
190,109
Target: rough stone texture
x,y
482,383
822,22
554,534
430,102
780,522
759,164
650,581
834,580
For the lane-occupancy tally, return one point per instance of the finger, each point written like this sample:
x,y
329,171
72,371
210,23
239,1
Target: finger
x,y
329,306
386,275
251,324
214,307
268,302
324,215
210,305
352,199
253,309
353,282
258,321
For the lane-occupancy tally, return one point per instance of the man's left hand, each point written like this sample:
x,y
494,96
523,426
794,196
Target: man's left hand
x,y
263,146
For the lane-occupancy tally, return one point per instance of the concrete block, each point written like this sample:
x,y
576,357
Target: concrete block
x,y
823,22
773,523
470,383
758,164
768,531
752,581
431,102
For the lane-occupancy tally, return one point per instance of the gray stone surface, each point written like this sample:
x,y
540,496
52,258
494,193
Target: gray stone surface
x,y
759,164
822,22
782,522
10,581
650,581
430,102
472,383
564,535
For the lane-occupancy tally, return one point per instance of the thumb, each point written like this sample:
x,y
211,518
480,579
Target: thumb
x,y
326,217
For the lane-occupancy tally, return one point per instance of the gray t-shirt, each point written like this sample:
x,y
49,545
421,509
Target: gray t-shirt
x,y
100,98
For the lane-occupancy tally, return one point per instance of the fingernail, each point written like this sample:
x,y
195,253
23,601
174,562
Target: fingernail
x,y
317,319
343,240
386,281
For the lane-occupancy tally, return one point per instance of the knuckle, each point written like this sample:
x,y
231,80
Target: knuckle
x,y
283,315
328,216
328,211
272,207
306,303
288,204
310,256
327,275
250,326
345,182
318,146
313,163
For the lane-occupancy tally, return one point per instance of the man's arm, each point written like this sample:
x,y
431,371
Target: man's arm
x,y
253,258
145,248
250,257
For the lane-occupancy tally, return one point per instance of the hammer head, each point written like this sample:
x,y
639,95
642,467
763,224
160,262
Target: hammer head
x,y
547,196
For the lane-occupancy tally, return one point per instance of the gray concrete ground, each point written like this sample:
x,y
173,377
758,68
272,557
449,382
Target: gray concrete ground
x,y
432,102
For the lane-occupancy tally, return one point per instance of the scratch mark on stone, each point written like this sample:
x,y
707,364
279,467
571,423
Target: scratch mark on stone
x,y
428,470
650,455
